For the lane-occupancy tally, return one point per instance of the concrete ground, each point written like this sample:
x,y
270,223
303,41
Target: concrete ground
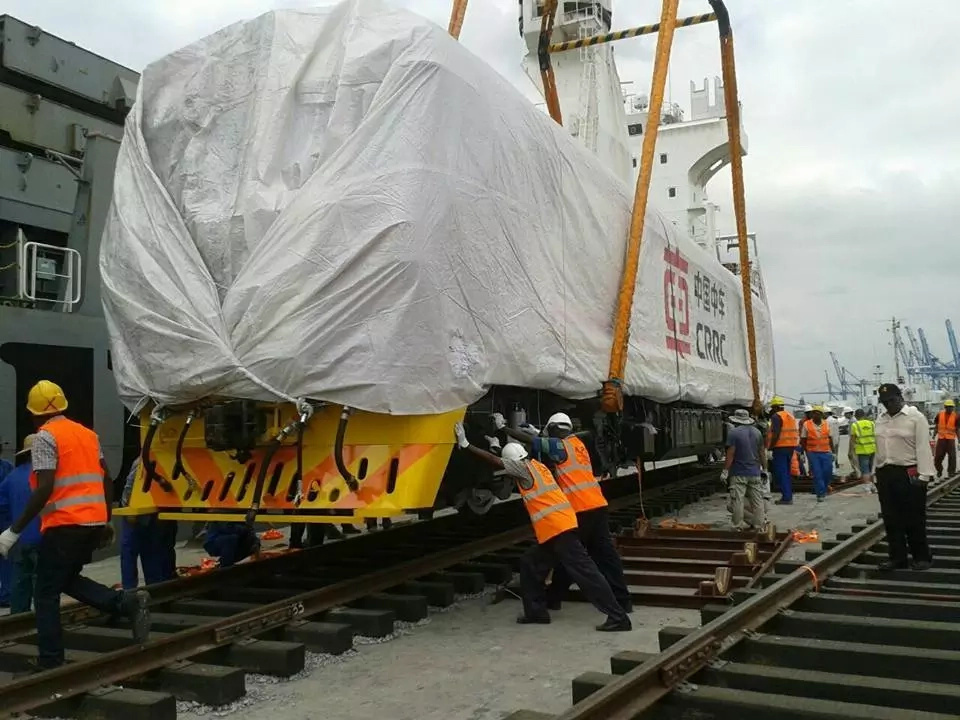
x,y
472,661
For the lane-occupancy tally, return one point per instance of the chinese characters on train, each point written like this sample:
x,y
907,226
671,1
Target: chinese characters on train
x,y
709,307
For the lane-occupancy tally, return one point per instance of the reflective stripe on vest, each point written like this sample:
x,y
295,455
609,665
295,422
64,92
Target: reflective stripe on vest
x,y
549,510
818,438
77,497
864,440
789,431
946,425
575,477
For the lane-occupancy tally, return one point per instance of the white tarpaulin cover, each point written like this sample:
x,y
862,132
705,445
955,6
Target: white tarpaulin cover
x,y
346,205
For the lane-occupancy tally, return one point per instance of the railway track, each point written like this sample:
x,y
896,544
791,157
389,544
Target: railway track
x,y
829,638
210,630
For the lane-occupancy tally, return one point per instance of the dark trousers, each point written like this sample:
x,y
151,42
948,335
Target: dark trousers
x,y
904,509
567,550
23,577
781,471
64,550
594,532
4,582
151,543
231,548
945,448
167,531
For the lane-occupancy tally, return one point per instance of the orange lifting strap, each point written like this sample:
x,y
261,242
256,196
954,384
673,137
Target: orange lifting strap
x,y
456,18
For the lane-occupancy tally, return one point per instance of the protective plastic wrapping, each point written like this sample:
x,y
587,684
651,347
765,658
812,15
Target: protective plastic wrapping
x,y
346,205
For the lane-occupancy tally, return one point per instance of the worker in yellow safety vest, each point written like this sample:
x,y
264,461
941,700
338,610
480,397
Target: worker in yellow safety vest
x,y
946,439
555,526
783,438
72,494
864,442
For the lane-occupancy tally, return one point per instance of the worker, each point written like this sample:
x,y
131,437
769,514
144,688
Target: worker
x,y
864,444
555,526
783,437
904,466
145,540
817,442
745,469
231,542
834,424
72,492
946,423
15,492
569,461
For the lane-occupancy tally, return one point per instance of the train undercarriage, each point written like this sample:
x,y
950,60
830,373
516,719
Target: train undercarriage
x,y
237,460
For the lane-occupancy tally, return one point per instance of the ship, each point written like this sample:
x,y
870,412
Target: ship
x,y
62,110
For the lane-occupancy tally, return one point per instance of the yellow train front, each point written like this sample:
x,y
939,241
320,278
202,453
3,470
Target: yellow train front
x,y
239,458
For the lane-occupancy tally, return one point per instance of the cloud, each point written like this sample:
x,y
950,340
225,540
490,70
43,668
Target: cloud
x,y
851,114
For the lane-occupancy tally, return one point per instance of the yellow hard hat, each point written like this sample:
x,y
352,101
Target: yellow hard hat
x,y
818,408
46,398
948,403
777,400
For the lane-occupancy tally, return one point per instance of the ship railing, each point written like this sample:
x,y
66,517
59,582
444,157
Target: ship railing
x,y
41,263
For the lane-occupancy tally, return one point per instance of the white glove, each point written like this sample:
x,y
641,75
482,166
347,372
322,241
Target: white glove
x,y
493,442
532,429
724,474
498,421
8,538
461,435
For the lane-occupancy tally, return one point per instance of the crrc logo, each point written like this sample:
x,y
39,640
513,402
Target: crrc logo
x,y
676,302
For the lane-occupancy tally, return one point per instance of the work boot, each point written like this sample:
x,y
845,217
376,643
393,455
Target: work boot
x,y
627,607
135,604
615,625
921,564
781,501
821,498
554,604
890,565
539,620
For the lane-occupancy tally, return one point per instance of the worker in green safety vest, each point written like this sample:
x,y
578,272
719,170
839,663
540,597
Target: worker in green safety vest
x,y
864,446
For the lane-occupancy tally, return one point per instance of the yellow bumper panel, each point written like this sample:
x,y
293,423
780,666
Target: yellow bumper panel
x,y
399,461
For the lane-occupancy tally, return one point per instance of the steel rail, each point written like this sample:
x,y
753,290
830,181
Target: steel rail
x,y
642,687
72,679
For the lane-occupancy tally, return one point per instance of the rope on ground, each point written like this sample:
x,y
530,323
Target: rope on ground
x,y
674,524
816,582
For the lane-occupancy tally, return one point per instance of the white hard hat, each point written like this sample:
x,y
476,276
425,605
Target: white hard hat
x,y
513,451
847,409
808,408
561,420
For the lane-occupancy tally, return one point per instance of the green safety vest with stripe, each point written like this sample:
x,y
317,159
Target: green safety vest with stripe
x,y
864,440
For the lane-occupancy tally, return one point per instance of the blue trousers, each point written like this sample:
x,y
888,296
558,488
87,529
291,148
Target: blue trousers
x,y
821,467
781,471
143,543
5,581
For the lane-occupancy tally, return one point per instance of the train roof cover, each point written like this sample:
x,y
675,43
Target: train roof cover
x,y
347,205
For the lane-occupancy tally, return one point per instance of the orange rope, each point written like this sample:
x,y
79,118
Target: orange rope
x,y
674,524
802,536
816,582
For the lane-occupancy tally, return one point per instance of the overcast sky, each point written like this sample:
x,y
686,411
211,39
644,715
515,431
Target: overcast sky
x,y
852,117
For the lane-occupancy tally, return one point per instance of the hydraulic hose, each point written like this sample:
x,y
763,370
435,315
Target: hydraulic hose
x,y
178,466
150,466
349,479
305,412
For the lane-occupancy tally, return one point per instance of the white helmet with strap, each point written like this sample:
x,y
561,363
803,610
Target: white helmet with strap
x,y
513,451
561,420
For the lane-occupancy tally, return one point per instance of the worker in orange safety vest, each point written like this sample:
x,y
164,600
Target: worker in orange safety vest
x,y
946,438
569,460
72,492
783,438
555,526
817,442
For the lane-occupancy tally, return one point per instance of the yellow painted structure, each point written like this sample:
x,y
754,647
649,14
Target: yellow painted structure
x,y
398,460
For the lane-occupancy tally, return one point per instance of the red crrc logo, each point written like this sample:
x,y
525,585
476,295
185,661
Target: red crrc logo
x,y
676,302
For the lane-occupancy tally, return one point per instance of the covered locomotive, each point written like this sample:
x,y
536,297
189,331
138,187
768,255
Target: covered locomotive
x,y
336,232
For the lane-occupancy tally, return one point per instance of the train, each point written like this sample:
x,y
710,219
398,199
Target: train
x,y
306,284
